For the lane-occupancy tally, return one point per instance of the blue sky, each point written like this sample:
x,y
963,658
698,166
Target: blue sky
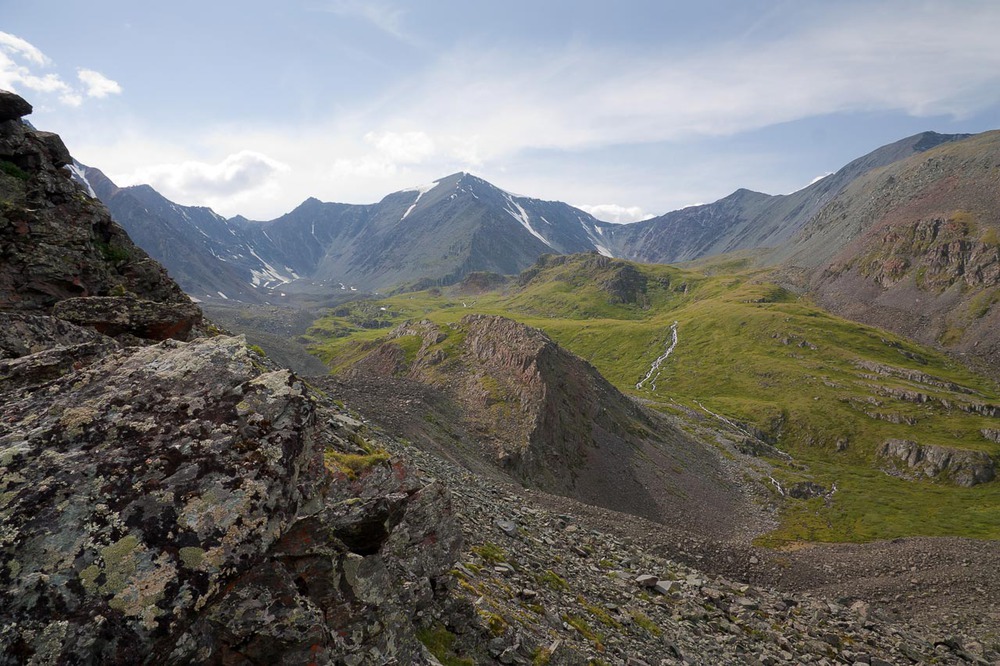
x,y
627,108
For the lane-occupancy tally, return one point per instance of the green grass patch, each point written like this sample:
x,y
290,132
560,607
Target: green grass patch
x,y
643,621
552,580
870,504
112,252
982,302
13,170
600,614
440,642
490,552
410,344
584,628
352,465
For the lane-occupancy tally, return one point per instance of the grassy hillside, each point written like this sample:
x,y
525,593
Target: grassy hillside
x,y
826,390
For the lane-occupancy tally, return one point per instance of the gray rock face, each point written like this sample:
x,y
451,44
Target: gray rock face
x,y
117,315
55,241
35,349
173,500
22,334
962,467
12,106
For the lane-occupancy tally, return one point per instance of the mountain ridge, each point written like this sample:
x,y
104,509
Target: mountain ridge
x,y
746,219
437,233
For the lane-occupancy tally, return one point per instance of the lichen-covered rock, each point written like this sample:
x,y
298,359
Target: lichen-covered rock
x,y
172,502
33,370
23,333
960,466
118,315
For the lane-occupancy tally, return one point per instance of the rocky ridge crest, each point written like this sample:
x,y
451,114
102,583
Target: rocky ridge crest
x,y
519,403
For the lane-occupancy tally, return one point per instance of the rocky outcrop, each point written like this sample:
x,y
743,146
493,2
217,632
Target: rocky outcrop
x,y
479,282
127,315
513,400
960,466
12,107
621,281
626,285
173,500
35,349
55,241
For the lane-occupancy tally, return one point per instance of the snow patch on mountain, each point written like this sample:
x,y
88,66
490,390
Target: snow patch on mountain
x,y
592,237
80,176
269,276
421,190
522,216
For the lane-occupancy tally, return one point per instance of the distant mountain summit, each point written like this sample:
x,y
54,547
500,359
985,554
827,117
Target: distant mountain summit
x,y
434,234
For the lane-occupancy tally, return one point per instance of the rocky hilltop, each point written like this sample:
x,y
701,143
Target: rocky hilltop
x,y
914,247
519,403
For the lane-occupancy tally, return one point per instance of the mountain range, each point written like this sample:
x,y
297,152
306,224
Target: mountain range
x,y
434,234
440,232
912,226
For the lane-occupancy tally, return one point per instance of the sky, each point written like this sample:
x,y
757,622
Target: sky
x,y
626,109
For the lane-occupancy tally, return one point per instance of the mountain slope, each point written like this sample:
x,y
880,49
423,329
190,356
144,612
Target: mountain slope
x,y
200,249
746,219
436,234
914,247
443,231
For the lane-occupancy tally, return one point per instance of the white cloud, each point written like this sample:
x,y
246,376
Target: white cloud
x,y
576,98
402,147
14,44
97,84
201,182
20,62
70,98
615,213
370,167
